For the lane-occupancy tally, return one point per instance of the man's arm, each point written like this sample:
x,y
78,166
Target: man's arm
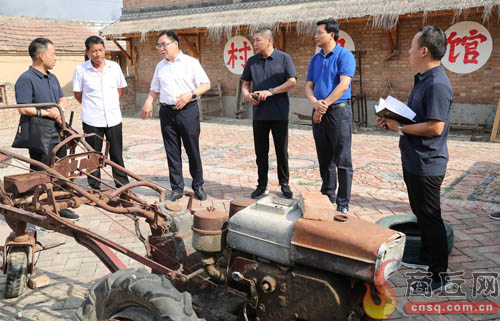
x,y
343,85
245,90
430,128
185,98
121,92
78,96
283,88
147,108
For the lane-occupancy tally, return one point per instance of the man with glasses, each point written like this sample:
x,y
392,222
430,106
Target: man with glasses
x,y
178,80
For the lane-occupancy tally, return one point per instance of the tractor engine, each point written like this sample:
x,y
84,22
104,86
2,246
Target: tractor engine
x,y
296,259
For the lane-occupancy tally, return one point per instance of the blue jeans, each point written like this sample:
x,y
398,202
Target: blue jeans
x,y
333,136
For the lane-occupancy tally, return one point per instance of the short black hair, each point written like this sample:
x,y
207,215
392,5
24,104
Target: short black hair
x,y
434,39
330,26
38,45
171,35
93,40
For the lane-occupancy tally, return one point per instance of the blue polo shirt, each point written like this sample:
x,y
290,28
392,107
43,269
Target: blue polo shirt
x,y
431,98
267,73
325,71
34,87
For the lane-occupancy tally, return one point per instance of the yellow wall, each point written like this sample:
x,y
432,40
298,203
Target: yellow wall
x,y
13,66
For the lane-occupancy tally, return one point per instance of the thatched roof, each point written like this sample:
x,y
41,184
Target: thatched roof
x,y
219,22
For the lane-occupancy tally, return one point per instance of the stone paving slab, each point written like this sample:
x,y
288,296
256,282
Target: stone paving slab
x,y
470,191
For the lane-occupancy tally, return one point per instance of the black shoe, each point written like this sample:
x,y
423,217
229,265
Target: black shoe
x,y
69,215
259,191
174,196
199,193
414,262
495,215
286,191
96,187
429,286
342,209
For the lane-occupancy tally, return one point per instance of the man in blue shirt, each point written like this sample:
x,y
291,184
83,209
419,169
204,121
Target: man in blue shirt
x,y
424,153
39,85
271,74
328,89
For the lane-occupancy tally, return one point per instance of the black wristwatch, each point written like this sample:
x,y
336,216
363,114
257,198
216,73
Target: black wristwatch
x,y
193,96
271,90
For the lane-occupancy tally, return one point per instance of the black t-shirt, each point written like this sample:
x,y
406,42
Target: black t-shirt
x,y
34,87
431,98
267,73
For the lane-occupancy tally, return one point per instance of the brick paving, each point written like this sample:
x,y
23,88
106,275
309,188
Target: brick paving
x,y
470,191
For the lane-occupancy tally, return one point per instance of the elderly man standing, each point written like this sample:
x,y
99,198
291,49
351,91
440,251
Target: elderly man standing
x,y
178,80
271,74
328,89
38,85
98,84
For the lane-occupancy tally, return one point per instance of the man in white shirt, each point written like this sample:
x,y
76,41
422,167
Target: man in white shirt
x,y
98,84
178,80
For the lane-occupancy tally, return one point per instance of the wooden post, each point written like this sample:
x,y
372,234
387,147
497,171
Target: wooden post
x,y
495,131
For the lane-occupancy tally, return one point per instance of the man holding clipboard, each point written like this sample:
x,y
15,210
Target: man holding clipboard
x,y
424,152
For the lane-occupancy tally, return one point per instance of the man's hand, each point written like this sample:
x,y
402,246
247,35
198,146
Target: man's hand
x,y
250,99
263,94
381,122
392,124
322,106
183,100
317,116
147,110
54,114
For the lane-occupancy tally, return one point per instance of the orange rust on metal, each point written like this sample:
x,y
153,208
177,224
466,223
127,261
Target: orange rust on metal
x,y
5,160
24,240
21,183
209,221
244,265
317,206
72,165
239,204
342,238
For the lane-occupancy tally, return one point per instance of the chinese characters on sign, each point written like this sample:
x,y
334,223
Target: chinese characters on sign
x,y
236,53
469,46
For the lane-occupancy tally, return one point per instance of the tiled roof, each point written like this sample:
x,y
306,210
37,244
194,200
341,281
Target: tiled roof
x,y
68,36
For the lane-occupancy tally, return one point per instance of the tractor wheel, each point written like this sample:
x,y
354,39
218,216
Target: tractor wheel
x,y
136,295
17,270
408,225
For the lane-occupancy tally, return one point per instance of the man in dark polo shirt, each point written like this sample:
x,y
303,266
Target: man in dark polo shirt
x,y
39,85
328,89
424,153
271,74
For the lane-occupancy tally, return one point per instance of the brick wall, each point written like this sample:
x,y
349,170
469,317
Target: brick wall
x,y
127,102
380,76
9,118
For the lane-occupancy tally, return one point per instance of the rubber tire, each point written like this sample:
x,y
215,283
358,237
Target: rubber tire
x,y
413,241
17,271
131,289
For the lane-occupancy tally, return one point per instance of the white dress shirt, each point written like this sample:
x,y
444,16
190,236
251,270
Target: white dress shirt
x,y
100,99
171,79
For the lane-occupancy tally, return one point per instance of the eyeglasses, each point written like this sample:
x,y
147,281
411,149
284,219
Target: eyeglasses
x,y
163,45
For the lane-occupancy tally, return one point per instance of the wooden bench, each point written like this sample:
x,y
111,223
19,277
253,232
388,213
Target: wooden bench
x,y
214,94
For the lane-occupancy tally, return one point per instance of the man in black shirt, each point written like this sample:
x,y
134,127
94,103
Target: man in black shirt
x,y
39,85
424,152
271,74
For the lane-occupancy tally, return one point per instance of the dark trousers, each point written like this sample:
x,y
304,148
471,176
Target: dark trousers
x,y
115,138
333,138
45,159
279,130
425,202
176,126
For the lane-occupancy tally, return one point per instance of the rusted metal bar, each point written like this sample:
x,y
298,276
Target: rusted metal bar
x,y
61,112
107,257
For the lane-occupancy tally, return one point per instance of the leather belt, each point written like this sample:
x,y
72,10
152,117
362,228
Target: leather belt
x,y
172,107
342,104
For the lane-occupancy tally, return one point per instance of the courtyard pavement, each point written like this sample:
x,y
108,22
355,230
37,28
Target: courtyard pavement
x,y
470,191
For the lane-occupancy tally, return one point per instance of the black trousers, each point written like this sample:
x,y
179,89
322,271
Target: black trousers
x,y
45,159
279,130
333,138
115,138
425,202
182,127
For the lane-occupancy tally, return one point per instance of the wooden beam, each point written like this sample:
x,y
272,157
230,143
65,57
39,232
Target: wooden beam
x,y
122,50
194,50
197,44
